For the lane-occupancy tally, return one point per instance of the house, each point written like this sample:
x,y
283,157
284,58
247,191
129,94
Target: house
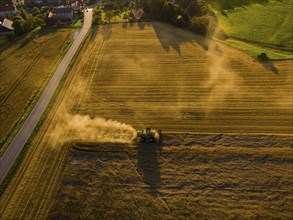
x,y
75,5
7,9
54,2
38,2
64,15
6,27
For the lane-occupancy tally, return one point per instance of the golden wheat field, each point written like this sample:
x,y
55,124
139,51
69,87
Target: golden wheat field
x,y
226,119
25,67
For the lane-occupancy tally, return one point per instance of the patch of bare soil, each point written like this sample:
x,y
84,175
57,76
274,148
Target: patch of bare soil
x,y
188,176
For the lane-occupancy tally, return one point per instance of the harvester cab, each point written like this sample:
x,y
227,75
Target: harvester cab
x,y
148,135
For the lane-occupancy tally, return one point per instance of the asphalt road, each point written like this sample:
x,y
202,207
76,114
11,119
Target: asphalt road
x,y
10,155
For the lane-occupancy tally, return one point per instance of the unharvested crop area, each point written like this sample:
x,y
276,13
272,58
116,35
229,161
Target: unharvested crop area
x,y
210,105
25,66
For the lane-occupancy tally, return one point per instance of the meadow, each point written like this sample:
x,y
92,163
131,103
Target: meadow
x,y
257,26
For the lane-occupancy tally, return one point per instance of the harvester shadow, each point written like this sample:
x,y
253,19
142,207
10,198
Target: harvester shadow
x,y
148,165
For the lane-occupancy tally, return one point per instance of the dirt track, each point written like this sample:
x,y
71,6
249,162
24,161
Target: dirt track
x,y
152,75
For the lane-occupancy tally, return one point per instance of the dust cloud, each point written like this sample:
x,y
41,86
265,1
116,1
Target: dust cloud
x,y
222,82
84,128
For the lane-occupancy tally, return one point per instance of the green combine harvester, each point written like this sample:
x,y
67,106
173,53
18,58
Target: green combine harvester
x,y
148,135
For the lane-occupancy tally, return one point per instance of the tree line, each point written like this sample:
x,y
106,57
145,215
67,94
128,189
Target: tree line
x,y
194,15
25,22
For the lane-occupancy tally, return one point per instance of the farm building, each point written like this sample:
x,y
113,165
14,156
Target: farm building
x,y
54,2
64,15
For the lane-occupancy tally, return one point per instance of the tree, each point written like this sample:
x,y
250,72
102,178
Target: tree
x,y
97,15
119,4
24,14
36,11
108,15
18,24
9,16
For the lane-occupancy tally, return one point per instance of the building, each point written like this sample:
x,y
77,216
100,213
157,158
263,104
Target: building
x,y
54,2
6,27
38,2
7,9
64,15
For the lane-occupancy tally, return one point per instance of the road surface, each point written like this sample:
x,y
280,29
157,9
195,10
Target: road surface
x,y
10,155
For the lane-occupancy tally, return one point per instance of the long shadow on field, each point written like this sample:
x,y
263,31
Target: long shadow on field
x,y
148,165
222,5
94,33
172,37
269,65
140,24
107,31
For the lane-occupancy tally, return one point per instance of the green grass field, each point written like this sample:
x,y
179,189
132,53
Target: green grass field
x,y
263,23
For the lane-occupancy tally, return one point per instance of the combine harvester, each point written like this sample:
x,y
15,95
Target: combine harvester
x,y
148,136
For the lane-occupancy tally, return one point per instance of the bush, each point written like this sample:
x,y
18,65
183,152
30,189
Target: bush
x,y
97,16
169,12
200,25
180,21
263,57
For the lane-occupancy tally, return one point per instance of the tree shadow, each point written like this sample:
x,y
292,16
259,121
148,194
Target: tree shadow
x,y
107,32
94,33
229,5
148,165
172,37
124,25
269,65
141,25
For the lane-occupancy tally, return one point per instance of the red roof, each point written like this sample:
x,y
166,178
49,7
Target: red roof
x,y
7,8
